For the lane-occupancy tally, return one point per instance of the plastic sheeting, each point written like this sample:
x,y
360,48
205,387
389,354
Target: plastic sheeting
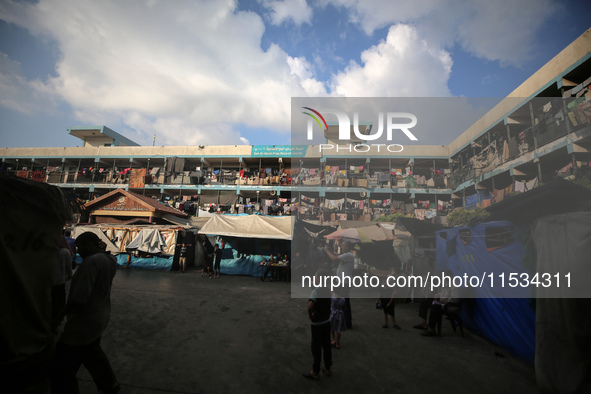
x,y
156,263
117,237
508,322
491,247
148,241
111,248
252,226
242,266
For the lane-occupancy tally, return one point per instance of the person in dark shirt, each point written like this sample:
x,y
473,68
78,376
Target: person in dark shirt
x,y
88,312
271,264
217,252
208,258
319,313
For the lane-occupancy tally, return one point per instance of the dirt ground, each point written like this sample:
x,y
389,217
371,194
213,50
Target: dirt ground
x,y
182,333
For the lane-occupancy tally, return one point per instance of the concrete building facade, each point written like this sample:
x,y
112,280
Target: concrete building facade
x,y
540,131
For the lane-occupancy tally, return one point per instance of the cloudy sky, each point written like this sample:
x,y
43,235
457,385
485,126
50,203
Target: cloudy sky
x,y
223,72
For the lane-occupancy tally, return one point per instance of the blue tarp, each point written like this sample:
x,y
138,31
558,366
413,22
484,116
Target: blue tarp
x,y
242,256
156,263
242,266
504,315
469,202
484,195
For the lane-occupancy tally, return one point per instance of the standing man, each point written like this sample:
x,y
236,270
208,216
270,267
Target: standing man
x,y
217,252
88,311
319,313
346,267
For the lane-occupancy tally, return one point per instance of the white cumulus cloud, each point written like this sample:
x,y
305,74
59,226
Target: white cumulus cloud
x,y
503,30
179,69
403,65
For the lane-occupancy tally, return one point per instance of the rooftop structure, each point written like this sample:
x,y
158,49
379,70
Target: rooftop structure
x,y
100,136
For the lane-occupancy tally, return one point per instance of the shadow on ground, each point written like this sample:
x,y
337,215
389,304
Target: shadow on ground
x,y
182,333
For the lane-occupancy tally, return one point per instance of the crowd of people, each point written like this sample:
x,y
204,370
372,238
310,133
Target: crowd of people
x,y
278,266
330,312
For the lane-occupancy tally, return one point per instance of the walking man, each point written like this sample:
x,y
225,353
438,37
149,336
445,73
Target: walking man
x,y
88,311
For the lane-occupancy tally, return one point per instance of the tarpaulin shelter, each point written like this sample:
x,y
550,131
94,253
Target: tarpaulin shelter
x,y
250,226
492,248
546,231
140,246
249,240
561,234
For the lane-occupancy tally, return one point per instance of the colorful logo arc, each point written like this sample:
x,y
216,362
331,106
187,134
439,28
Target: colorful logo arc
x,y
315,118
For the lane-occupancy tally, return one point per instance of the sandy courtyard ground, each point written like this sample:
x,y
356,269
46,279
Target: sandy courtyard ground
x,y
182,333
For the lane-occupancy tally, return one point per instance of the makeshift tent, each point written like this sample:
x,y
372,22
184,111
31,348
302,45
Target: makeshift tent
x,y
249,240
563,342
492,248
558,235
119,238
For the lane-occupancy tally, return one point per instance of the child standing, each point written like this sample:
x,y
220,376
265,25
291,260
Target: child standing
x,y
387,301
337,319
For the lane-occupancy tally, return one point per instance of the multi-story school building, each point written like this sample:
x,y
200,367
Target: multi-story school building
x,y
515,146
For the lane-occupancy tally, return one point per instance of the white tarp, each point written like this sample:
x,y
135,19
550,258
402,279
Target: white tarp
x,y
251,226
118,237
111,248
148,240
